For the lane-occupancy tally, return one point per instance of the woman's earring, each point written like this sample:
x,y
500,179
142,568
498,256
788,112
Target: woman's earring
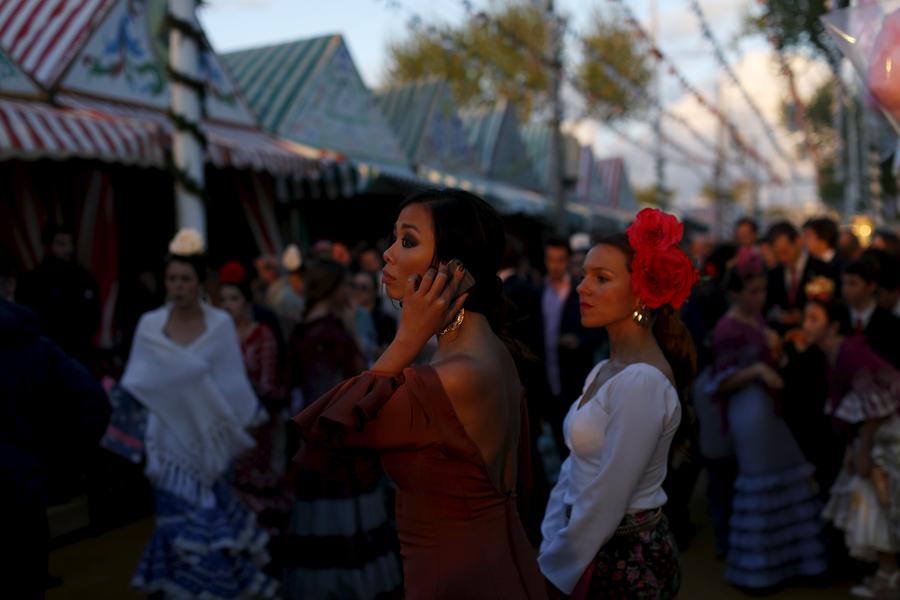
x,y
641,315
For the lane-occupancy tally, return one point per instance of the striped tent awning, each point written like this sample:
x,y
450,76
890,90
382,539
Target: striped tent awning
x,y
33,130
42,36
229,145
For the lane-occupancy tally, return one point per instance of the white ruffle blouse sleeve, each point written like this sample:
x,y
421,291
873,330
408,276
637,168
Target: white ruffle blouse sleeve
x,y
633,411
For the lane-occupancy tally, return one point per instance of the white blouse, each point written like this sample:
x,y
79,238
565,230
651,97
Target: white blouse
x,y
619,442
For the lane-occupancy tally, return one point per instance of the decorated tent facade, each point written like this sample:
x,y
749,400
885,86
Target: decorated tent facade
x,y
495,136
310,91
425,118
583,215
96,156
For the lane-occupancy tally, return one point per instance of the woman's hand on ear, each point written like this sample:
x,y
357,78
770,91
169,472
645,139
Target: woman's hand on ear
x,y
429,304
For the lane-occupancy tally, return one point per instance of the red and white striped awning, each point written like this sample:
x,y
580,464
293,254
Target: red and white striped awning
x,y
32,130
43,35
229,145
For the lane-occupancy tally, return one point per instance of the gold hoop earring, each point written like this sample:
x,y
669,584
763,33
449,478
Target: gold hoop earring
x,y
641,315
457,322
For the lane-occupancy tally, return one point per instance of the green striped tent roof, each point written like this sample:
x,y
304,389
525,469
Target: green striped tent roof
x,y
495,136
310,91
537,145
425,119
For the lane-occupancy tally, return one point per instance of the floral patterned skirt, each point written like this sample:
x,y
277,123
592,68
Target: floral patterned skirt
x,y
639,562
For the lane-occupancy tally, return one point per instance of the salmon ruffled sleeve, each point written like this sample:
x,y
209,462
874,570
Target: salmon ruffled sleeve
x,y
373,411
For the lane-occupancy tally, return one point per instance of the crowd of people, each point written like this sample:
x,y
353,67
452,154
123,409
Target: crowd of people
x,y
797,401
436,417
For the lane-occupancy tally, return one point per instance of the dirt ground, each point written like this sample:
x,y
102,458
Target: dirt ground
x,y
99,568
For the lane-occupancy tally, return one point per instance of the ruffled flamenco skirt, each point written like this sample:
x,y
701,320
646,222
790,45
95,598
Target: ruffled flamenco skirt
x,y
341,542
207,553
854,507
776,531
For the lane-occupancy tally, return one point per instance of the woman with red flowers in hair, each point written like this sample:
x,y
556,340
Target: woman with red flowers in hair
x,y
605,535
774,532
258,475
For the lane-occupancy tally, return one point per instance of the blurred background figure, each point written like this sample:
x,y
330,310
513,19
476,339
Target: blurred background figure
x,y
864,400
768,254
746,232
284,296
369,305
369,261
888,280
7,275
341,254
786,296
568,347
774,528
700,247
709,301
267,273
323,249
886,240
820,236
848,245
64,296
879,325
340,542
53,414
524,326
580,243
259,474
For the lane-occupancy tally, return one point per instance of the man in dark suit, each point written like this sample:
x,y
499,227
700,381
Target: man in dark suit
x,y
880,326
803,380
568,347
786,294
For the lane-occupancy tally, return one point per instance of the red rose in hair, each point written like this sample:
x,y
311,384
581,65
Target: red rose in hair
x,y
660,278
654,230
232,273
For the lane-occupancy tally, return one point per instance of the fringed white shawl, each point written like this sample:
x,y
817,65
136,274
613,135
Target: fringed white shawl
x,y
199,400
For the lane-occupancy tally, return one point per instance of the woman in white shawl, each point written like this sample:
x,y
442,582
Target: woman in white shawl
x,y
186,368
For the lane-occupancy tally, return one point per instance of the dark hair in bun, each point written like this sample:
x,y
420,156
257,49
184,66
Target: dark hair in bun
x,y
196,262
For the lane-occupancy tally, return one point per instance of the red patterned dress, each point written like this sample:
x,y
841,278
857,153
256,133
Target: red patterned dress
x,y
259,475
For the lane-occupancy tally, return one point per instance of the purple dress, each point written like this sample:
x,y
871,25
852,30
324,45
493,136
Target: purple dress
x,y
865,387
861,384
775,530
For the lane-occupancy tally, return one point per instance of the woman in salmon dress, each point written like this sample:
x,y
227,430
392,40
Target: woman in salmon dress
x,y
452,435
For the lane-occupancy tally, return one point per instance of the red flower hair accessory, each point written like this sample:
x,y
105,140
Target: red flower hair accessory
x,y
232,273
654,230
661,273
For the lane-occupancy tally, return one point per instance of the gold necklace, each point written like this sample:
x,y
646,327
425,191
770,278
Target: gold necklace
x,y
460,316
